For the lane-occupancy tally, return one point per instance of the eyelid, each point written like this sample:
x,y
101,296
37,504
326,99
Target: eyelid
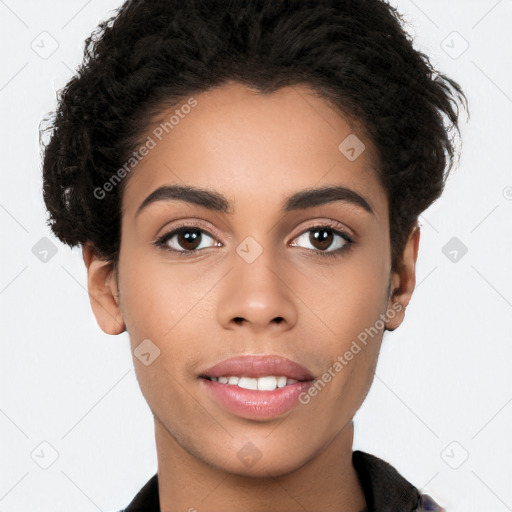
x,y
188,222
330,223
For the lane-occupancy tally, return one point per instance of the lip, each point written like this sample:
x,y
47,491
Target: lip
x,y
259,366
254,404
251,404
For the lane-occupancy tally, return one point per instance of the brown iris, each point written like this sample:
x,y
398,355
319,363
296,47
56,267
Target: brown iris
x,y
323,236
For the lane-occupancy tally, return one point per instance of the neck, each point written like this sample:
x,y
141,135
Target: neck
x,y
327,482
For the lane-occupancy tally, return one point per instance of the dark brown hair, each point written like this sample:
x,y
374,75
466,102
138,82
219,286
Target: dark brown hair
x,y
151,54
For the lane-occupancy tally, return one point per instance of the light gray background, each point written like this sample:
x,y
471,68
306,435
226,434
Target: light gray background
x,y
442,389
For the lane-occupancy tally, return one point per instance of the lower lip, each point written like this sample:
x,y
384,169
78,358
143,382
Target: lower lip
x,y
253,404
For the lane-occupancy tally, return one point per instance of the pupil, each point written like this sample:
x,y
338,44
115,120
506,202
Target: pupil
x,y
324,239
189,237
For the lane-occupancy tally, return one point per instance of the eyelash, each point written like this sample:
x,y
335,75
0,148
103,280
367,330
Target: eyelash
x,y
161,241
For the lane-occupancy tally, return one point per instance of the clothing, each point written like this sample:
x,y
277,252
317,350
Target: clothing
x,y
384,488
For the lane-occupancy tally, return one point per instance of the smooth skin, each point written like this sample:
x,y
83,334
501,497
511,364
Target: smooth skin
x,y
201,308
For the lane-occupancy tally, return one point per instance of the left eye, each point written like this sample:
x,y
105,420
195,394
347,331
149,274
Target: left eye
x,y
323,236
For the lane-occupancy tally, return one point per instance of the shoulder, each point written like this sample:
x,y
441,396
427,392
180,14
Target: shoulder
x,y
385,487
147,499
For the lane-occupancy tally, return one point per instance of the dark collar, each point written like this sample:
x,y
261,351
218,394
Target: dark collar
x,y
384,488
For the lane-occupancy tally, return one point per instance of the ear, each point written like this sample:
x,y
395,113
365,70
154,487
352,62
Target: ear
x,y
403,280
103,292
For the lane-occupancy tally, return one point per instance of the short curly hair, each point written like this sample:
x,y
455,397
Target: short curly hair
x,y
153,54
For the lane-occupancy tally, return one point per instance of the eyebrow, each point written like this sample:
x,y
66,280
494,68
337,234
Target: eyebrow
x,y
218,203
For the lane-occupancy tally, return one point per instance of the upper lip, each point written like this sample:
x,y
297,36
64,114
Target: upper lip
x,y
258,366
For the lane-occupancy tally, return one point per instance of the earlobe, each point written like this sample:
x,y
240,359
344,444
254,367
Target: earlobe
x,y
103,292
403,281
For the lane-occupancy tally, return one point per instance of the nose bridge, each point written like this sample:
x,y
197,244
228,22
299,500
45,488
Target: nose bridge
x,y
256,266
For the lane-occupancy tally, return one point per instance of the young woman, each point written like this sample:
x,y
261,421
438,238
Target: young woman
x,y
245,179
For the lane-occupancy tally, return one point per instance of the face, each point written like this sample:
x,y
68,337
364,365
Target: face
x,y
252,277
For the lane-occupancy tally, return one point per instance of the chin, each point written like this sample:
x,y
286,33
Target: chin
x,y
274,466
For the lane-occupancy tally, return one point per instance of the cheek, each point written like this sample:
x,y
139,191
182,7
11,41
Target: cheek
x,y
348,298
348,326
166,303
350,335
157,295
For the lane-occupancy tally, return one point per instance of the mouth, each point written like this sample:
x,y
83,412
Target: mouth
x,y
258,367
265,383
256,387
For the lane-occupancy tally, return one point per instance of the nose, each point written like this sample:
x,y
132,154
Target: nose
x,y
257,296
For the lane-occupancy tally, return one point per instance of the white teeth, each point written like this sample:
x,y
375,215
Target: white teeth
x,y
267,383
248,383
281,382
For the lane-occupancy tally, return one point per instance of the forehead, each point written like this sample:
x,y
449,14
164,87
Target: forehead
x,y
243,143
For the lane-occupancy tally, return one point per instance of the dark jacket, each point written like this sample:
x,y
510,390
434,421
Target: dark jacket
x,y
384,488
